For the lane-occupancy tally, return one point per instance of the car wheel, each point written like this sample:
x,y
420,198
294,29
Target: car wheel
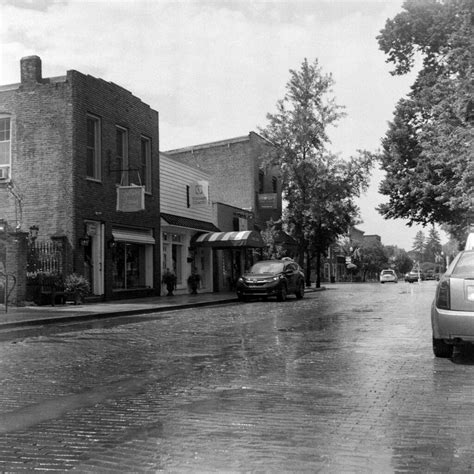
x,y
300,290
241,297
382,282
282,292
441,349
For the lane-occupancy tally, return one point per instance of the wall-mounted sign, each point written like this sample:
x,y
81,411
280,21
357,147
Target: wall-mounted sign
x,y
267,201
199,193
130,198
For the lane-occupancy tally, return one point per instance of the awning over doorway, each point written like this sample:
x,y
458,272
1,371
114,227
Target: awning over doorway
x,y
221,240
132,235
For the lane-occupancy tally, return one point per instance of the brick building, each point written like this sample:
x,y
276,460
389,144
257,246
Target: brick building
x,y
246,192
73,150
239,175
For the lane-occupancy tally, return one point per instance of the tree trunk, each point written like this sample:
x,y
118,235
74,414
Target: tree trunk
x,y
308,270
318,269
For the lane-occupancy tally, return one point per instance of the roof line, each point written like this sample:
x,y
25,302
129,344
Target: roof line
x,y
209,145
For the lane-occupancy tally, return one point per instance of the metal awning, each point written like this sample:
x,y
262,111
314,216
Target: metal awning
x,y
132,235
221,240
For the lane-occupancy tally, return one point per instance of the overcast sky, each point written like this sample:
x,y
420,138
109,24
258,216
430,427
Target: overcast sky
x,y
214,70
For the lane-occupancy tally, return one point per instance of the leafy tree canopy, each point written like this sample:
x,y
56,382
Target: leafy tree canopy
x,y
427,150
317,186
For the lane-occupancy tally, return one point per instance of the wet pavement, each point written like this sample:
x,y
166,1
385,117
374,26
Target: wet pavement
x,y
341,381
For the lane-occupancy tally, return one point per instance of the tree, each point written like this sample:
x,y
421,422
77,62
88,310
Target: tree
x,y
317,186
419,245
432,246
399,259
372,258
427,148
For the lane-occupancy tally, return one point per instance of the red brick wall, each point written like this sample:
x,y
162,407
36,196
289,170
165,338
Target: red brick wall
x,y
234,169
49,158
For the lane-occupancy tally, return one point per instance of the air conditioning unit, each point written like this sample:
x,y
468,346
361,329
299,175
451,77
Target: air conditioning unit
x,y
4,173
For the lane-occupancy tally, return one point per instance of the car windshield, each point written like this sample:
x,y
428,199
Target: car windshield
x,y
387,272
266,267
465,265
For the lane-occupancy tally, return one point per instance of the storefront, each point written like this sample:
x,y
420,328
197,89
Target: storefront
x,y
132,259
180,257
232,254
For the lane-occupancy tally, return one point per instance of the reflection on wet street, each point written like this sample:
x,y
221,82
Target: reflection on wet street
x,y
341,381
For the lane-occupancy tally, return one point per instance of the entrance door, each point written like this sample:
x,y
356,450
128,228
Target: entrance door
x,y
94,257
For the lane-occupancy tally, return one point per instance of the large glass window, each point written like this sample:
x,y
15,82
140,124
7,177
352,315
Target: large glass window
x,y
129,266
121,153
146,163
93,156
5,147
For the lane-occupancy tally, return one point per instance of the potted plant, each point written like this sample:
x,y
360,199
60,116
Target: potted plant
x,y
76,287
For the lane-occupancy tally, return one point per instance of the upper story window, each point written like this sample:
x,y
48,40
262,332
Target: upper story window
x,y
261,181
274,184
145,153
121,154
93,158
5,148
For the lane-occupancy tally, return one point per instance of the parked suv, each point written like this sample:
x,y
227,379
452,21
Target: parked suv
x,y
272,278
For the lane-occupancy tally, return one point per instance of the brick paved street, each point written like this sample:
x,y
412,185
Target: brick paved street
x,y
341,381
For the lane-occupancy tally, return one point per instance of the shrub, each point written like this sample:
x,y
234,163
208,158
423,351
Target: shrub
x,y
76,285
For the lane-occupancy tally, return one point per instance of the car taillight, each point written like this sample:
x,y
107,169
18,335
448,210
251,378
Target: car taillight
x,y
443,299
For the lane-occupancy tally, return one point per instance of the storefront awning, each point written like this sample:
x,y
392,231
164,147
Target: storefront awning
x,y
220,240
133,236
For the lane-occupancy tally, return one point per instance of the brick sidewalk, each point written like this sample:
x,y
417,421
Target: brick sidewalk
x,y
34,315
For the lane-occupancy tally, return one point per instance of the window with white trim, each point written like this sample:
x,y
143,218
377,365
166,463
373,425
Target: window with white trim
x,y
145,152
121,154
93,155
5,148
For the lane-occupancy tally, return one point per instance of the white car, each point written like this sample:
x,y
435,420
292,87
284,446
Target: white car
x,y
452,312
388,275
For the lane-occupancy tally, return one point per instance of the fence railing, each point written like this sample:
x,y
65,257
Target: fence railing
x,y
46,257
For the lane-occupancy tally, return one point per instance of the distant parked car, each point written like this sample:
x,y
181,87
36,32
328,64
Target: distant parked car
x,y
452,312
412,276
272,278
431,275
388,275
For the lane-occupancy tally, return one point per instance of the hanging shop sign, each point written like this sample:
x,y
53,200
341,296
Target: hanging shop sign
x,y
199,193
130,198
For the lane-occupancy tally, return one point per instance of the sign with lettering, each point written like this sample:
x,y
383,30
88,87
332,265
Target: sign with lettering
x,y
199,194
130,198
267,201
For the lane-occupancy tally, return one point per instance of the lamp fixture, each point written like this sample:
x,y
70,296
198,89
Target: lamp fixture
x,y
34,230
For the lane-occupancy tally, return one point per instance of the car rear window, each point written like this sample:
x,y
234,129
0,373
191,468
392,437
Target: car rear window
x,y
465,265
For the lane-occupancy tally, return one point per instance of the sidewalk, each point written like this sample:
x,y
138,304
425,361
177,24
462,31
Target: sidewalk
x,y
40,315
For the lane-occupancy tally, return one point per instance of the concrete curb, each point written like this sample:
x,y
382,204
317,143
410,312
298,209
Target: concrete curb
x,y
95,315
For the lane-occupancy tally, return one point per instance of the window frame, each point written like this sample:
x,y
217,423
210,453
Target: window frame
x,y
146,163
123,160
97,149
261,181
8,165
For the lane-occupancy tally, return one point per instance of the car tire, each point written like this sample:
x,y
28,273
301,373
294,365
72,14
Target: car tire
x,y
441,349
300,290
282,292
241,297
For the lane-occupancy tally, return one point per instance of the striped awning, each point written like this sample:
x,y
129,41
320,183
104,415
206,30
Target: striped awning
x,y
221,240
